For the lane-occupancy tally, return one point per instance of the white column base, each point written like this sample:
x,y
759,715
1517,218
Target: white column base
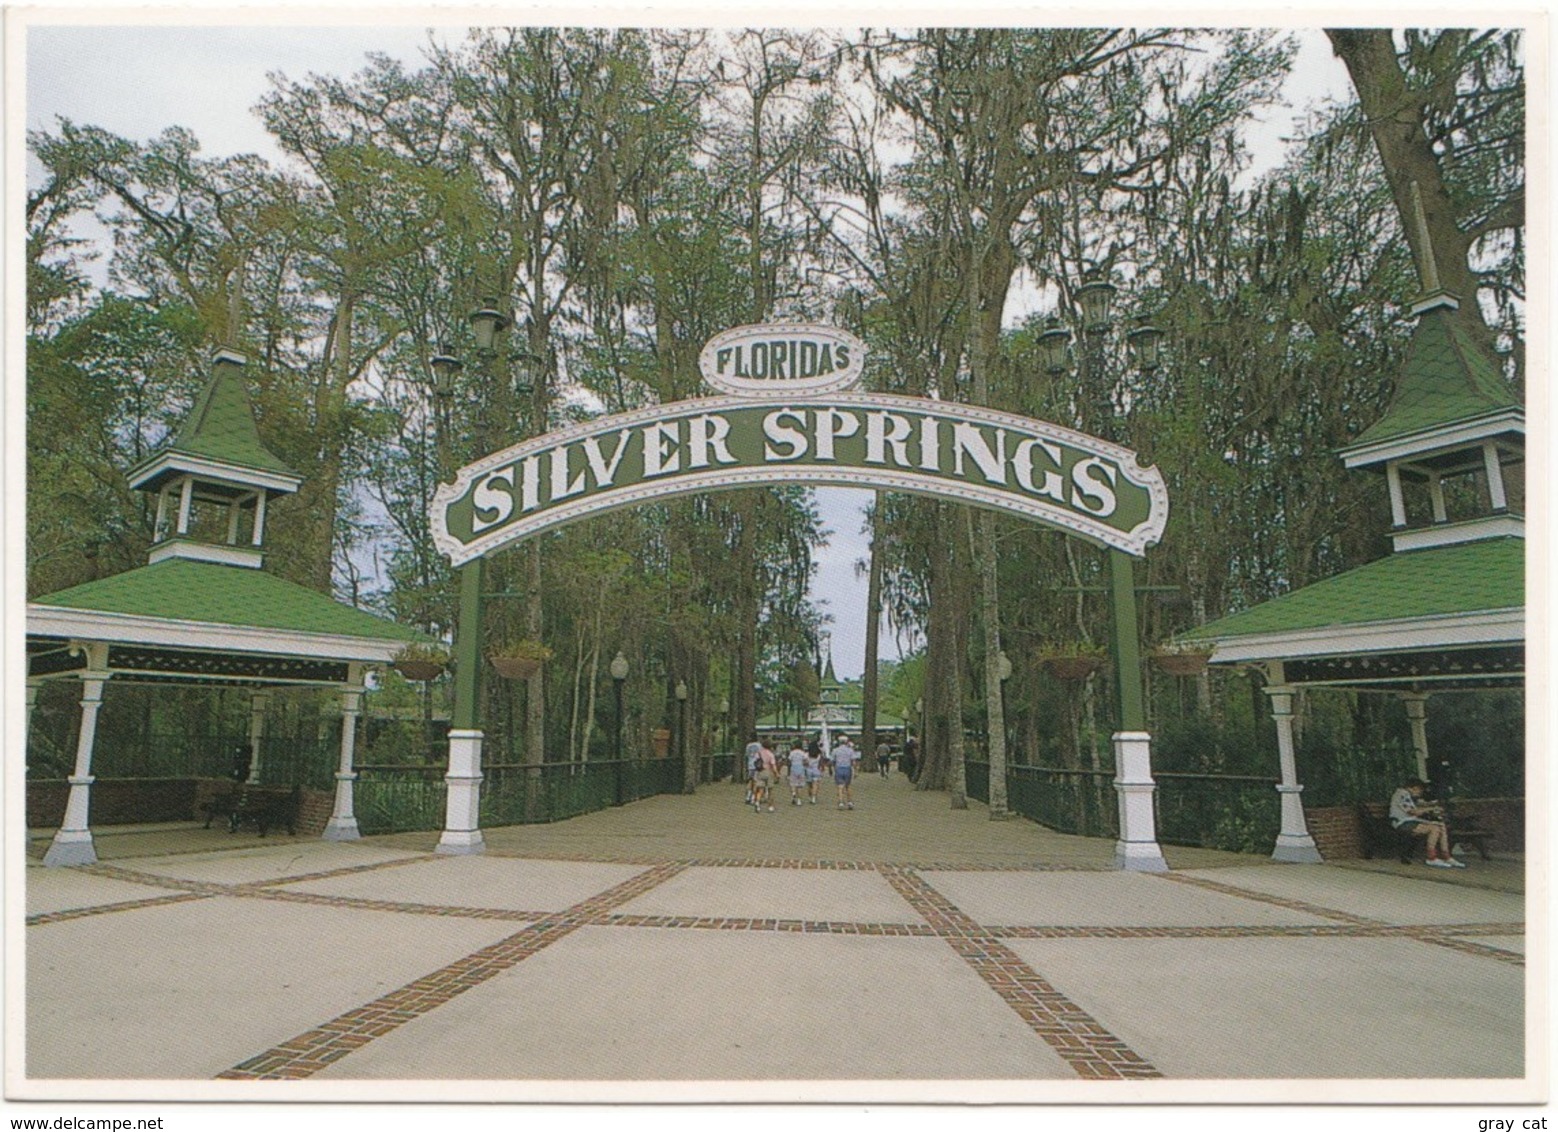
x,y
462,808
341,829
1294,845
1296,852
71,847
456,843
1137,848
342,825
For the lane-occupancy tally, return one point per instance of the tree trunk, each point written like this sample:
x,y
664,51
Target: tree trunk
x,y
957,764
869,688
990,619
939,646
1395,117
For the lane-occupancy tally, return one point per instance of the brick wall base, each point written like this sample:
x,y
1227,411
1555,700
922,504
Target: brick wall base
x,y
115,801
1339,836
132,801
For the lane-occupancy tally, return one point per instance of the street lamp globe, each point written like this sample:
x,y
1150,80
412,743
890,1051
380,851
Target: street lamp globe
x,y
1003,666
619,666
1146,342
446,367
1096,298
1053,345
681,689
487,322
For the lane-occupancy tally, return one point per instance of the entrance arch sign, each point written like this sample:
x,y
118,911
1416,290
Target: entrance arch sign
x,y
1043,472
789,414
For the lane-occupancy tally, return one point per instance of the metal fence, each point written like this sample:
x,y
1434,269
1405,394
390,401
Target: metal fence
x,y
399,799
528,793
284,761
1239,813
717,766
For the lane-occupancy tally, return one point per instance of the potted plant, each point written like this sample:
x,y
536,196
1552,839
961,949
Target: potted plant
x,y
1072,660
519,660
1182,658
421,661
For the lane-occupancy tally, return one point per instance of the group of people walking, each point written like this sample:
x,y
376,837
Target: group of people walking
x,y
803,770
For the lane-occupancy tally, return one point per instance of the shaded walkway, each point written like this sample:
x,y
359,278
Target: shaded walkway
x,y
891,822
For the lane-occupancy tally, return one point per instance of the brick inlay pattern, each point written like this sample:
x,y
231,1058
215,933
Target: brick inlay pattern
x,y
1086,1046
120,906
1471,947
309,1052
750,924
1266,898
1247,931
1438,935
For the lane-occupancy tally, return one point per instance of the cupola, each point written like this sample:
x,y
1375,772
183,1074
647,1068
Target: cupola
x,y
214,479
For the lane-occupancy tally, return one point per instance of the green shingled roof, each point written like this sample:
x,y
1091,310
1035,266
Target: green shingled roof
x,y
185,590
1465,577
221,426
1448,377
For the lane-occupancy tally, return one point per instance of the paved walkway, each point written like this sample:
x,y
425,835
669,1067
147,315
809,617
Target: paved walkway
x,y
692,940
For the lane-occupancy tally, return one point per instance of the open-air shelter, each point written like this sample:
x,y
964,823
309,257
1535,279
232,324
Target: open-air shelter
x,y
1445,610
203,610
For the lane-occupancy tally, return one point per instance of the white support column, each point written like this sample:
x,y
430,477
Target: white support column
x,y
343,820
259,706
1417,715
32,701
1496,497
259,518
1436,497
232,523
73,841
1293,842
160,531
1398,503
1137,849
462,808
186,501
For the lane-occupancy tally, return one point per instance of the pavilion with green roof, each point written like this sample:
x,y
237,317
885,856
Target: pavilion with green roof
x,y
1445,611
204,610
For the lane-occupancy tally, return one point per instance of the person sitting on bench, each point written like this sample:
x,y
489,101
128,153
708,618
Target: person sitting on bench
x,y
1411,812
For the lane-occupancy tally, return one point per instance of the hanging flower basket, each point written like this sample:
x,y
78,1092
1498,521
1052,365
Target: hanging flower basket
x,y
519,661
1182,663
421,662
421,670
515,667
1078,667
661,738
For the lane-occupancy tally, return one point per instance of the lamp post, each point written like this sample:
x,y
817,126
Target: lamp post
x,y
462,831
689,771
619,672
924,753
1137,847
724,725
1003,670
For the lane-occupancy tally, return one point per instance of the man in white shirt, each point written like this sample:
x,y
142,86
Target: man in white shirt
x,y
797,759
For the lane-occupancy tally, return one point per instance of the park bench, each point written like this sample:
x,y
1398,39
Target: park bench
x,y
1381,839
265,808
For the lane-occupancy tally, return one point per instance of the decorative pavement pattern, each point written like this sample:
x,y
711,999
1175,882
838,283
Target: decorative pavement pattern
x,y
1086,1046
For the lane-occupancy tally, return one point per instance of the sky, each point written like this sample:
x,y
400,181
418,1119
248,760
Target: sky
x,y
138,80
